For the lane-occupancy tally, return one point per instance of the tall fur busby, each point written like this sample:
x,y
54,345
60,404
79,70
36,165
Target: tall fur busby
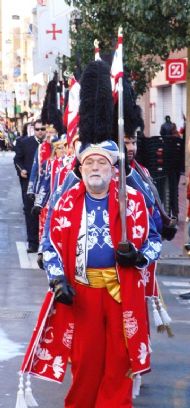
x,y
50,112
96,105
131,111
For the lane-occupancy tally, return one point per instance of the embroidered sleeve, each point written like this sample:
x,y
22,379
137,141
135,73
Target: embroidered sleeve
x,y
44,191
135,180
33,175
152,246
52,245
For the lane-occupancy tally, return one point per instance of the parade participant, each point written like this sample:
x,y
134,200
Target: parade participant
x,y
42,155
138,177
50,169
99,287
23,161
169,229
81,267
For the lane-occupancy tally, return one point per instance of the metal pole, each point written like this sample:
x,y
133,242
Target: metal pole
x,y
122,173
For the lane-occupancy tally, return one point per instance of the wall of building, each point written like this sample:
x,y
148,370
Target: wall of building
x,y
164,98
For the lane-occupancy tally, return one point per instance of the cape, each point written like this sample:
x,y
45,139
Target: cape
x,y
54,343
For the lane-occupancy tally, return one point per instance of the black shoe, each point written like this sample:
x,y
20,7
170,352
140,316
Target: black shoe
x,y
185,296
32,250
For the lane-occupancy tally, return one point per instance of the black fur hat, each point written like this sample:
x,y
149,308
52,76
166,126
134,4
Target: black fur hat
x,y
50,113
131,111
96,105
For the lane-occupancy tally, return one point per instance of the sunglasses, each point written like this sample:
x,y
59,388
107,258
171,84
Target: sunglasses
x,y
38,129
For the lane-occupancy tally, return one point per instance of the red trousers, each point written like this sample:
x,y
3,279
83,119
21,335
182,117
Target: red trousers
x,y
99,356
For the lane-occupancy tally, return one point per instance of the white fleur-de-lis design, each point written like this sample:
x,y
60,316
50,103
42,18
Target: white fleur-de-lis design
x,y
47,255
138,231
106,217
43,354
66,204
145,277
48,335
53,270
130,207
91,218
62,223
138,214
58,367
143,352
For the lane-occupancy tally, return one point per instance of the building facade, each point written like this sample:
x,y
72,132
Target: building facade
x,y
164,98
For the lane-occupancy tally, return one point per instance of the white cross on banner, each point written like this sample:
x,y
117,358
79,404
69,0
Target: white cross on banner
x,y
53,33
59,8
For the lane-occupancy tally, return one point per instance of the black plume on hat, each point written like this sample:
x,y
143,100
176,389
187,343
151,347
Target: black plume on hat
x,y
50,113
96,105
131,111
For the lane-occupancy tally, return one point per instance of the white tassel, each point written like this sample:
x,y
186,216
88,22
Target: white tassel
x,y
157,319
136,386
20,402
164,314
29,398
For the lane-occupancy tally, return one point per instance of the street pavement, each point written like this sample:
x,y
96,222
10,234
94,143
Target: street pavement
x,y
22,290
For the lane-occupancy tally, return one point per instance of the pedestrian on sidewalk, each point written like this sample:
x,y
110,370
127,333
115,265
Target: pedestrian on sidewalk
x,y
168,128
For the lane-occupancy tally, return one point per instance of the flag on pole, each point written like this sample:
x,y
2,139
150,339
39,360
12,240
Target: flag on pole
x,y
117,66
45,63
53,33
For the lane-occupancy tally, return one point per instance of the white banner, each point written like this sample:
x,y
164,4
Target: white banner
x,y
45,63
6,100
21,91
53,33
59,8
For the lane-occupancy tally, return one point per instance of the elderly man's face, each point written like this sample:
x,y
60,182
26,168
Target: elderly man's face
x,y
96,172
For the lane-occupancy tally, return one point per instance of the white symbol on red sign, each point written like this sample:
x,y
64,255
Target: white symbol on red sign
x,y
176,70
54,32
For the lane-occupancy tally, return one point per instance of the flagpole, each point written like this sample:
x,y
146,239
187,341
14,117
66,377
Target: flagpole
x,y
122,173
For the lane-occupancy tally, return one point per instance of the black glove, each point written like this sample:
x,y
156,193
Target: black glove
x,y
31,196
36,210
40,261
130,258
169,231
63,290
127,165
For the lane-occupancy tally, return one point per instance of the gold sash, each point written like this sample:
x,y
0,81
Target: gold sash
x,y
105,278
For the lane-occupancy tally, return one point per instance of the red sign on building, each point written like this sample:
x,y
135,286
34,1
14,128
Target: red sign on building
x,y
176,69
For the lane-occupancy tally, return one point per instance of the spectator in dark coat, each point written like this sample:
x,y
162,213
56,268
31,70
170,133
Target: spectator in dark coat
x,y
167,127
23,160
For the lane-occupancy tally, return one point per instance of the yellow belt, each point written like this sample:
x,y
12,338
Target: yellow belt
x,y
105,278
